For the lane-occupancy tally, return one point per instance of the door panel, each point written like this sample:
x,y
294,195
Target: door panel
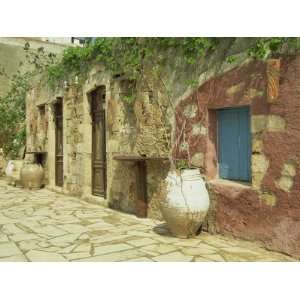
x,y
59,172
234,144
98,143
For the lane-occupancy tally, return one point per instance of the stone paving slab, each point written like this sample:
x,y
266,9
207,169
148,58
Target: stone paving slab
x,y
46,226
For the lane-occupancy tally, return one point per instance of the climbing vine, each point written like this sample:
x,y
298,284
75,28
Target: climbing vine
x,y
129,56
126,55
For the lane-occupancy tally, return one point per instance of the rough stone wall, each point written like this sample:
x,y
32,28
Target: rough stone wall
x,y
267,210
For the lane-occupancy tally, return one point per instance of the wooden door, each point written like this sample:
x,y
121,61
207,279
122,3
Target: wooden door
x,y
234,143
59,153
98,142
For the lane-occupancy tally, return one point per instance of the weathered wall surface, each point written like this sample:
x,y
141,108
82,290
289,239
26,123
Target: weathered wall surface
x,y
268,209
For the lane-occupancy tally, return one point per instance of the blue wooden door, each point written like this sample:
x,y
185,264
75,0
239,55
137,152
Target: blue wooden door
x,y
234,143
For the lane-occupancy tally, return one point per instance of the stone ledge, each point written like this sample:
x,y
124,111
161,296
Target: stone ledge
x,y
229,183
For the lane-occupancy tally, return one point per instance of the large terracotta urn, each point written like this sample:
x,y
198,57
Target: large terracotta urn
x,y
186,203
32,176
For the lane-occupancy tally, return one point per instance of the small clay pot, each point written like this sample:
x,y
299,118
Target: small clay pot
x,y
32,176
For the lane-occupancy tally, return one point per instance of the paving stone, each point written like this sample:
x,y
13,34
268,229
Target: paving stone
x,y
199,250
50,249
23,237
240,250
141,242
201,259
3,238
35,255
77,255
73,228
9,249
141,234
28,245
238,258
173,257
85,247
141,259
213,257
108,238
49,230
64,240
14,258
67,249
6,220
11,229
99,226
111,248
116,256
188,242
158,249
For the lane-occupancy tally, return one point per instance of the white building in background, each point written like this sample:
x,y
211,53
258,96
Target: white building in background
x,y
12,53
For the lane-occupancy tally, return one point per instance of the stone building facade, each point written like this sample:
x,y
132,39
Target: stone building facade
x,y
265,208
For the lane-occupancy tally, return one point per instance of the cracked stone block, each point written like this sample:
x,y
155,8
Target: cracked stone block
x,y
289,169
235,89
276,123
257,145
269,199
285,183
252,93
258,123
260,165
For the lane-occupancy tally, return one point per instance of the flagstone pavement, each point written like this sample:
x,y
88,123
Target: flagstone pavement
x,y
46,226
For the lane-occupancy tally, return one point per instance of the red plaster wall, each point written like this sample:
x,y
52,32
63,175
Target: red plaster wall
x,y
239,211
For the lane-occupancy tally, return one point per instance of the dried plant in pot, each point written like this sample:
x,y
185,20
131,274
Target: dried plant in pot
x,y
187,201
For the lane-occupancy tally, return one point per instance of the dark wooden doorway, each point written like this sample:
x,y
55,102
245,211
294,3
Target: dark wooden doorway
x,y
59,152
98,142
